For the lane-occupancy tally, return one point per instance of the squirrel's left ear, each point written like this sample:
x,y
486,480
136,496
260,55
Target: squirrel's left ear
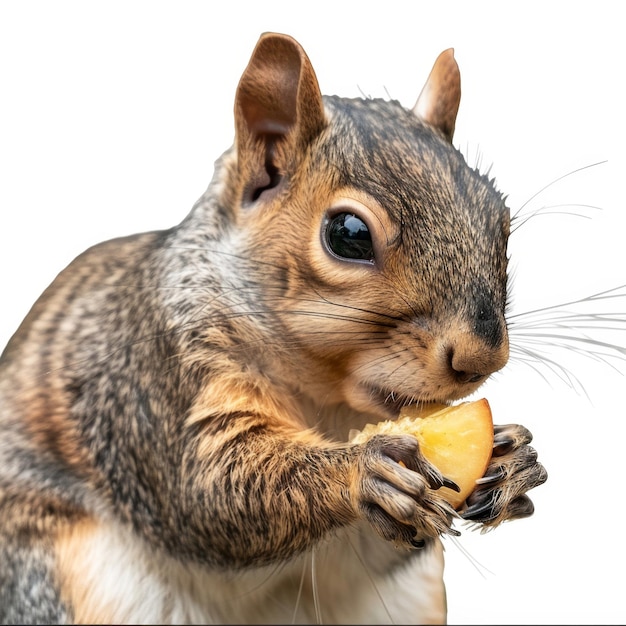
x,y
438,103
278,111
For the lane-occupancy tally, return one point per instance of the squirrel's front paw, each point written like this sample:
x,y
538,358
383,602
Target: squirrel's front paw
x,y
396,491
501,494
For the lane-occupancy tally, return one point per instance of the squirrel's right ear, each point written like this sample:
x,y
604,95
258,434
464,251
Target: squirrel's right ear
x,y
438,103
278,110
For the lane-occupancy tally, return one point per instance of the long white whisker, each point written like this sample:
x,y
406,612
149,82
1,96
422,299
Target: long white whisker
x,y
316,598
300,590
571,343
550,210
608,294
532,363
569,328
570,379
476,564
371,579
550,184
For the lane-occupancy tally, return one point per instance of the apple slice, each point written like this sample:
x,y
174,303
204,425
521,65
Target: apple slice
x,y
457,440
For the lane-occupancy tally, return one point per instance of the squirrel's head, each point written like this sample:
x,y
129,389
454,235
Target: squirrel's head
x,y
384,254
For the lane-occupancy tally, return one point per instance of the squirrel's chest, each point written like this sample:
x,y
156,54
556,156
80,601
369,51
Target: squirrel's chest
x,y
352,577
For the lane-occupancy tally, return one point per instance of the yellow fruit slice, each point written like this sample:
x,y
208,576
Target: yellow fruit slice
x,y
457,440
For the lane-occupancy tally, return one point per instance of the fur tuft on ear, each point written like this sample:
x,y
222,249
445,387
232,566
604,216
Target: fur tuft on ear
x,y
278,107
438,103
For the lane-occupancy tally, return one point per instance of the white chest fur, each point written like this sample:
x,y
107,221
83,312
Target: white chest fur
x,y
110,576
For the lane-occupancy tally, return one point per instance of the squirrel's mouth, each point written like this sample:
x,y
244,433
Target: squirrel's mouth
x,y
391,402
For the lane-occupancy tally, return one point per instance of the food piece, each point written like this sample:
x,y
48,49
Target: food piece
x,y
457,440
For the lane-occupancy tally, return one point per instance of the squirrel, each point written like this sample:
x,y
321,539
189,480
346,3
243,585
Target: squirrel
x,y
175,408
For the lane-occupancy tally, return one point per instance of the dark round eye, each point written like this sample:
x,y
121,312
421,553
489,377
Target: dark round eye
x,y
348,237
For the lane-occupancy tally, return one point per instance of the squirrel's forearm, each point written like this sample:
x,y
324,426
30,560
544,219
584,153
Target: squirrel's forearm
x,y
262,496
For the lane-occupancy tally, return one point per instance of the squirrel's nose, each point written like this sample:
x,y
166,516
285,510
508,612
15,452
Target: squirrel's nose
x,y
471,359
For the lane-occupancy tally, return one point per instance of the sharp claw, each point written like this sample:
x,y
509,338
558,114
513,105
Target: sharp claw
x,y
509,437
500,438
450,484
478,510
500,449
502,444
491,479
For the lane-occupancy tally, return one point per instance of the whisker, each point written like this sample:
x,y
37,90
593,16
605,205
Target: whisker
x,y
569,328
613,293
273,571
579,321
520,220
571,343
531,362
562,373
554,182
300,590
355,308
476,564
316,600
212,319
371,578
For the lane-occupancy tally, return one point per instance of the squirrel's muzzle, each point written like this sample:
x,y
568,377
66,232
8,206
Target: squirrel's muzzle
x,y
470,357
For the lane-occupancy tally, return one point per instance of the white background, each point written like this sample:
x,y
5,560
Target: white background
x,y
111,115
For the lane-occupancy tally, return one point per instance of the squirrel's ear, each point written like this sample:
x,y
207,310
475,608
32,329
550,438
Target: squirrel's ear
x,y
278,110
438,103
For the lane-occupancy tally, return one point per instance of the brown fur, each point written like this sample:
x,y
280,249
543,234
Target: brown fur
x,y
185,396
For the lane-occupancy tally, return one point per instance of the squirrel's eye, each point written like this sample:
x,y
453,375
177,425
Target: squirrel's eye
x,y
348,237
